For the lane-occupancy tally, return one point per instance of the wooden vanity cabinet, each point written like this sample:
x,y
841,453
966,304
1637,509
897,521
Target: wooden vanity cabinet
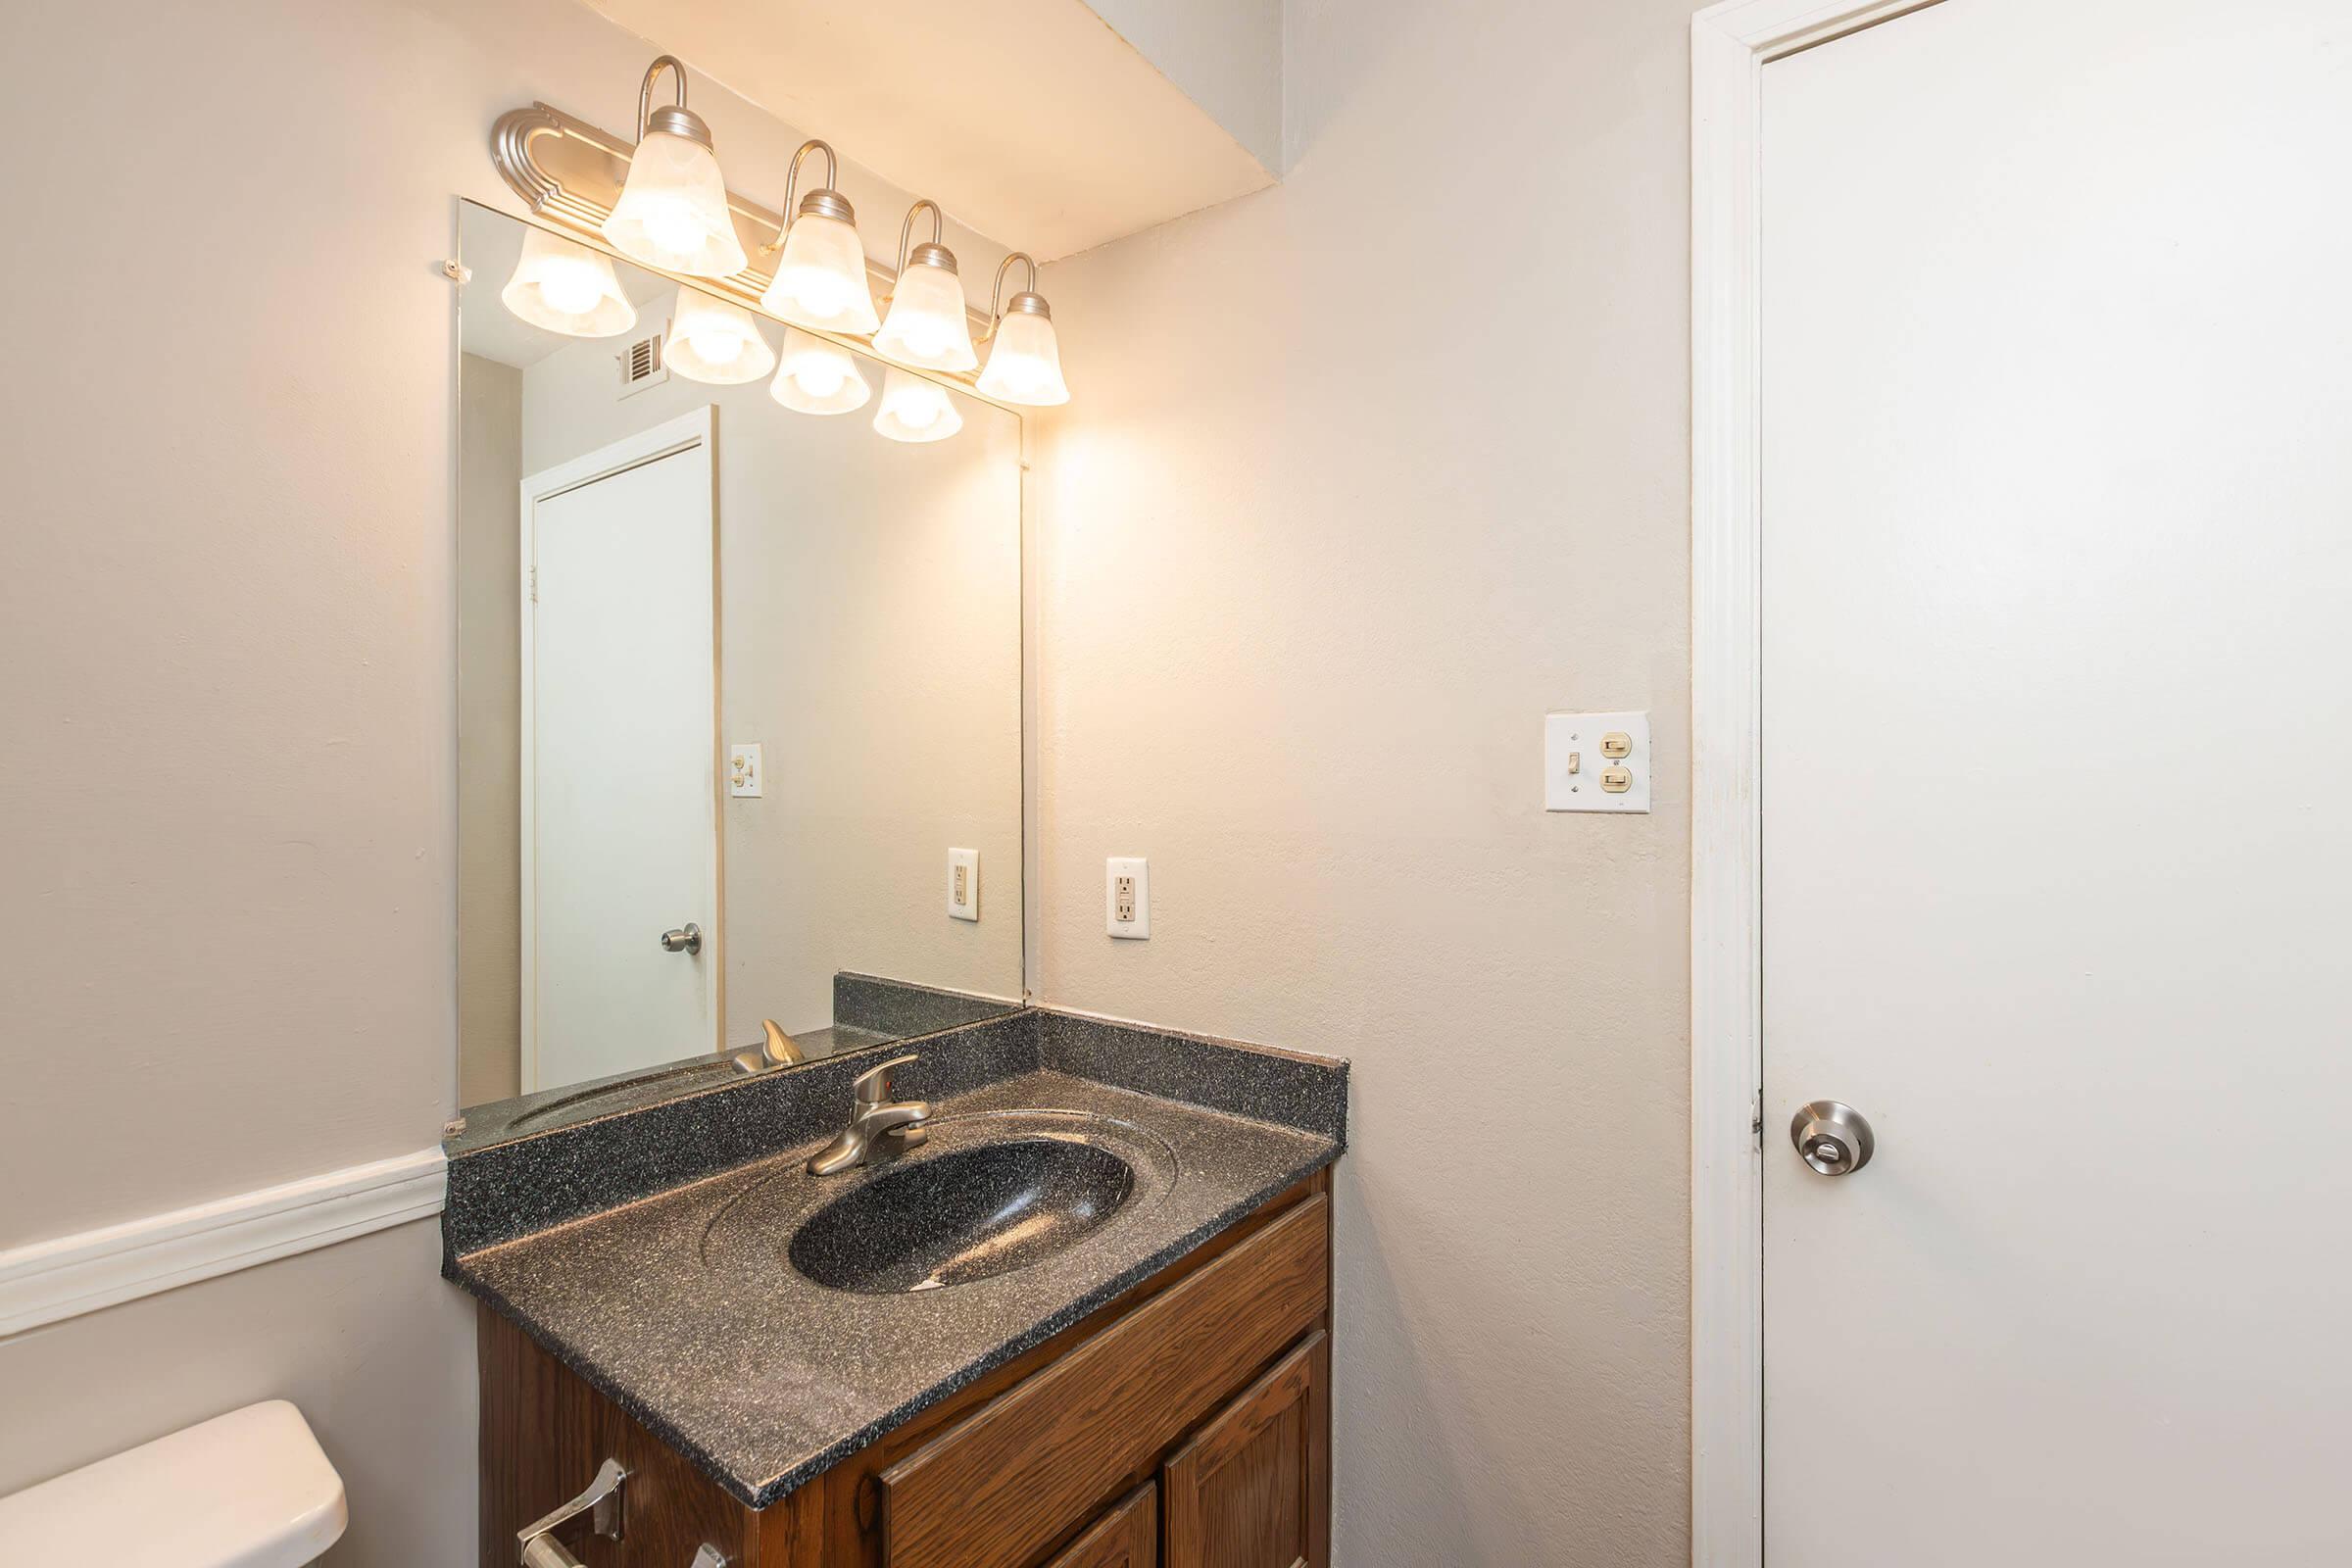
x,y
1185,1425
1127,1536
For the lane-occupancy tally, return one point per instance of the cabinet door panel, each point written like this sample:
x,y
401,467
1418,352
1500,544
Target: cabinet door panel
x,y
1251,1489
996,1489
1128,1537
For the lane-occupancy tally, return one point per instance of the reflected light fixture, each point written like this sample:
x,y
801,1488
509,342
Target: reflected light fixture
x,y
927,327
566,288
672,213
915,410
821,278
1024,358
815,376
714,341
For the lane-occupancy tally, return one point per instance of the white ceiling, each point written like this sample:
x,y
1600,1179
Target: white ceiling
x,y
1029,120
490,243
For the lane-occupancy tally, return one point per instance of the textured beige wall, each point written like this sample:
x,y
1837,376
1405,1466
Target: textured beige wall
x,y
1347,499
489,710
227,790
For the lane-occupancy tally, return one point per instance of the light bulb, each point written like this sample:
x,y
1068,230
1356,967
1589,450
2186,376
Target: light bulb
x,y
820,278
817,376
915,410
1024,364
566,288
672,213
570,290
672,229
926,325
717,341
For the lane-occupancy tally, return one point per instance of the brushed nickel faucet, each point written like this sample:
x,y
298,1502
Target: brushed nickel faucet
x,y
879,1126
778,1050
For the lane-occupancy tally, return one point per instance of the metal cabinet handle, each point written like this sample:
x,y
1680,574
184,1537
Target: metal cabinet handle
x,y
602,1501
1833,1137
687,938
708,1557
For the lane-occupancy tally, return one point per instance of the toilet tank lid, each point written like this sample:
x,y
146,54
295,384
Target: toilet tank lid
x,y
246,1489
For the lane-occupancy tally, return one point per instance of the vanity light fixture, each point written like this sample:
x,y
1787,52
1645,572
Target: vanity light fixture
x,y
672,213
566,288
915,410
714,341
821,278
1024,358
815,376
927,327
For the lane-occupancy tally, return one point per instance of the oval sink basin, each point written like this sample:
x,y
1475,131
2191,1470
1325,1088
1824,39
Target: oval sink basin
x,y
963,1215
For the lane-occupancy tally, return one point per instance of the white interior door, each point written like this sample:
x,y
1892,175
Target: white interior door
x,y
2057,704
621,759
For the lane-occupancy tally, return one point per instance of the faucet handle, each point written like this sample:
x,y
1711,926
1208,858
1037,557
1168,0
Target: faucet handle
x,y
873,1084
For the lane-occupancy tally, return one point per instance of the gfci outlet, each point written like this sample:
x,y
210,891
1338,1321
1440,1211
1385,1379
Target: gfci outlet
x,y
1127,895
963,884
1597,763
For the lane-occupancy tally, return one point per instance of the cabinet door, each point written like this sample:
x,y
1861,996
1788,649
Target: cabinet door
x,y
1253,1488
1127,1536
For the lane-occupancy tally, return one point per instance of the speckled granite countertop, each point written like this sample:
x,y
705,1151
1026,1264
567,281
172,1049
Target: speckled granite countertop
x,y
683,1307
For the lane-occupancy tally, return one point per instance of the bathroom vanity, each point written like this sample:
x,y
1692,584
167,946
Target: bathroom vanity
x,y
800,1239
1085,1321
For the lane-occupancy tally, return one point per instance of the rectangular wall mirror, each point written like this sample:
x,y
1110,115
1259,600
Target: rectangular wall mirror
x,y
739,692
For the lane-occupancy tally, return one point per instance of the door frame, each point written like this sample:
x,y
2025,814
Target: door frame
x,y
697,431
1729,45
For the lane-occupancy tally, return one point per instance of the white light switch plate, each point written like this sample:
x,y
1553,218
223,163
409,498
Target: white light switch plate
x,y
1127,895
963,884
747,774
1577,767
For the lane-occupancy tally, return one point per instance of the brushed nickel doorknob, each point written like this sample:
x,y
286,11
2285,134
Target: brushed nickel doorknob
x,y
1833,1137
687,938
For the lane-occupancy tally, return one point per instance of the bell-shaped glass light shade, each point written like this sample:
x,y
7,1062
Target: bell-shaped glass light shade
x,y
714,341
566,288
915,410
820,278
815,376
926,325
672,213
1024,363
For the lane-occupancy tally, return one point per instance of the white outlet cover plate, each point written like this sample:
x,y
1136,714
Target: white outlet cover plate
x,y
747,773
969,861
1136,866
1576,737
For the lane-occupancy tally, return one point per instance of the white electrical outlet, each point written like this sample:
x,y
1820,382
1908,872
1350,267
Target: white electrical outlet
x,y
1127,895
963,884
746,775
1597,763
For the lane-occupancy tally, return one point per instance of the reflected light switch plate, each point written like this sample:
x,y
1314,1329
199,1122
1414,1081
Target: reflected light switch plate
x,y
1597,763
747,774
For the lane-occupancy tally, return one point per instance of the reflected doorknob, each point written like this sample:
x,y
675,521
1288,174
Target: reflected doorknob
x,y
1833,1137
687,938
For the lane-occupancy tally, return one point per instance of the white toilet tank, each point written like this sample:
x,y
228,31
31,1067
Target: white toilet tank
x,y
246,1489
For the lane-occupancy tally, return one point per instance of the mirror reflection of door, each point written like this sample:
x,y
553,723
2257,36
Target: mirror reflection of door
x,y
619,830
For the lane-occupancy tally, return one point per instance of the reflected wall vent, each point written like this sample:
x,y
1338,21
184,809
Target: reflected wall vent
x,y
641,364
